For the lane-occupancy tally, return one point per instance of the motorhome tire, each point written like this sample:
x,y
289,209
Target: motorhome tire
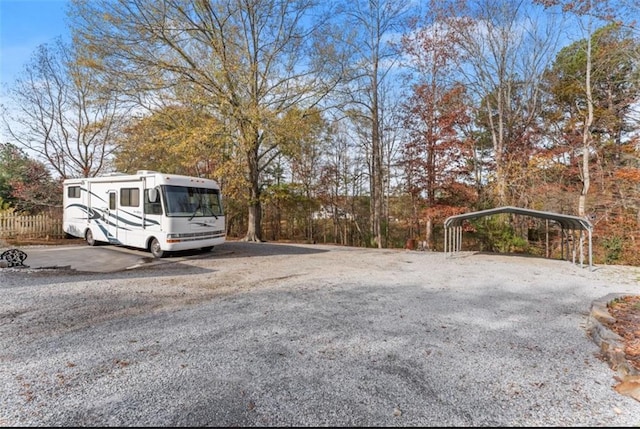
x,y
89,238
154,248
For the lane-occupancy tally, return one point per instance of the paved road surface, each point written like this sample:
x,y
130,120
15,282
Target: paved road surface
x,y
96,259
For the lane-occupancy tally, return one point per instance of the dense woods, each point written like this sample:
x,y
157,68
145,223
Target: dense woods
x,y
362,122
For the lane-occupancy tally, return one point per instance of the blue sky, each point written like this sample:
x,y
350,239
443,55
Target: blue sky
x,y
24,25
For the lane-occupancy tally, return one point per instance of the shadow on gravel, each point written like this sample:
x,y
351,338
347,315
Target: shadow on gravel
x,y
244,249
229,249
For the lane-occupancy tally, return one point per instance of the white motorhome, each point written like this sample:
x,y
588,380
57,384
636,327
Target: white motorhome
x,y
148,210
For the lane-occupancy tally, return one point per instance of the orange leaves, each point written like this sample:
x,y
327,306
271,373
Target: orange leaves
x,y
629,174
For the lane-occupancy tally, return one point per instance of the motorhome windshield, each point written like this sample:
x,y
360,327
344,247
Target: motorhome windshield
x,y
191,202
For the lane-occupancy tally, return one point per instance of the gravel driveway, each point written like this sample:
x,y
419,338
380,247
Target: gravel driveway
x,y
264,334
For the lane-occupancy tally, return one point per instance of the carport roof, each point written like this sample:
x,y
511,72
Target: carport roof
x,y
565,221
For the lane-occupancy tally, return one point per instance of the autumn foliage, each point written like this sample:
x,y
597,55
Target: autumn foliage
x,y
375,132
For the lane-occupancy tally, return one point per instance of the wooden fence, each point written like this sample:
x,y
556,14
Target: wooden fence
x,y
42,226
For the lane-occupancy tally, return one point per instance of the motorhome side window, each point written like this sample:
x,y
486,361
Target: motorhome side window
x,y
130,197
152,203
73,192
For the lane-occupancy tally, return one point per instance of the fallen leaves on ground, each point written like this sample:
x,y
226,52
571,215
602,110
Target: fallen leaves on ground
x,y
626,312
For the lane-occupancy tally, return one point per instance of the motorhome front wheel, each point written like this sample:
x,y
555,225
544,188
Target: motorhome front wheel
x,y
155,249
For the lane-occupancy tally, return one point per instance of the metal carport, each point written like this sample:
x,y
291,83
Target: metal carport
x,y
453,227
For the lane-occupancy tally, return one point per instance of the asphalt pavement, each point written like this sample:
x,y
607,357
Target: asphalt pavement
x,y
85,258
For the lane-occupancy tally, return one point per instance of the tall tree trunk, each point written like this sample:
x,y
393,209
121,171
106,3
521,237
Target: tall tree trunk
x,y
497,137
429,234
254,230
586,136
376,154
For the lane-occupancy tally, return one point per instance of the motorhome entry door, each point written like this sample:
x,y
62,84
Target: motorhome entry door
x,y
112,216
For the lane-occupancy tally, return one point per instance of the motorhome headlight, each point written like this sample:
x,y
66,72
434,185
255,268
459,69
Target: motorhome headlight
x,y
176,238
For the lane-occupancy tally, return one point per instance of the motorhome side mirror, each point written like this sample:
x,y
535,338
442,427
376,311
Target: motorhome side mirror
x,y
153,195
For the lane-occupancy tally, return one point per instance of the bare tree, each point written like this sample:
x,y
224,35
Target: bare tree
x,y
589,14
375,22
248,61
59,113
506,49
434,112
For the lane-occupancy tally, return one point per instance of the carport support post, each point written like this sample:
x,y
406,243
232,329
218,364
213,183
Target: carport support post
x,y
590,253
546,221
454,239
